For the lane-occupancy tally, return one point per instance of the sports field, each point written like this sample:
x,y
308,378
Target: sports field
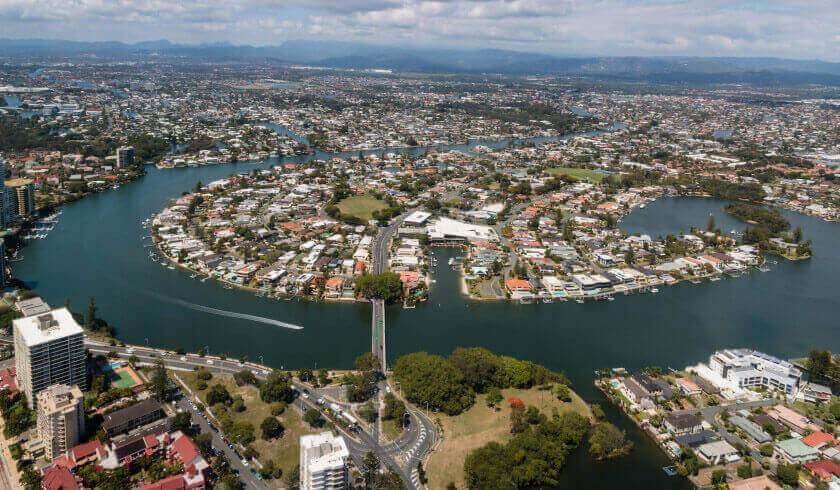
x,y
124,377
584,174
361,206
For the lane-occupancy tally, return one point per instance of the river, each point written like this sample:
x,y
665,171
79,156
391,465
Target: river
x,y
96,250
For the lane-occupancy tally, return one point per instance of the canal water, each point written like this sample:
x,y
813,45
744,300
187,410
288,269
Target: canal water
x,y
96,250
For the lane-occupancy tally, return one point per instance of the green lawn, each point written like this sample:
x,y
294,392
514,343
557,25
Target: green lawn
x,y
578,173
284,451
361,206
480,425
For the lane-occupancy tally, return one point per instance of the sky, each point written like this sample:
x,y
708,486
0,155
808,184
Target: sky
x,y
805,29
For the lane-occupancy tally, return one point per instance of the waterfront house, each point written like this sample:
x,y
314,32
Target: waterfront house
x,y
518,288
637,394
682,423
688,387
697,439
814,393
794,451
718,452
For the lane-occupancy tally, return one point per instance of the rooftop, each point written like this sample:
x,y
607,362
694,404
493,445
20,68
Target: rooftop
x,y
40,329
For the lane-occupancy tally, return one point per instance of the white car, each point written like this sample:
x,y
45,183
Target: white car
x,y
183,358
209,361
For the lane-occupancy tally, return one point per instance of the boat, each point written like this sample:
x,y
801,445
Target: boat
x,y
654,290
170,267
610,298
579,301
451,261
715,278
547,300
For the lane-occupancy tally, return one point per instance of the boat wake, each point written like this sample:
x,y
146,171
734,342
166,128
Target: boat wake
x,y
229,314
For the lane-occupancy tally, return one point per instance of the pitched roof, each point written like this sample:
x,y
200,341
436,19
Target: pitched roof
x,y
824,468
819,439
59,478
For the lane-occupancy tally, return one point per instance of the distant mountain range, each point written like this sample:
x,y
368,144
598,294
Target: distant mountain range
x,y
334,54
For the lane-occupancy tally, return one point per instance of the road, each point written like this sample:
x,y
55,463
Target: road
x,y
359,442
199,419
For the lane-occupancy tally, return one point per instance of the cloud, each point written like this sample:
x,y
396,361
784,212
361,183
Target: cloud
x,y
784,28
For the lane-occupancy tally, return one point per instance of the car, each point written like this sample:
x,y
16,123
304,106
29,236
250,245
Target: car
x,y
130,350
209,361
305,396
183,358
321,401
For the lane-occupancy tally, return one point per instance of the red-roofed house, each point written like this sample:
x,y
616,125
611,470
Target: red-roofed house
x,y
174,482
80,455
196,468
824,469
8,382
58,478
518,287
819,440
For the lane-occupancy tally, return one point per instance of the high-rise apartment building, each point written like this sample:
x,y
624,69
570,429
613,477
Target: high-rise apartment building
x,y
323,462
49,349
125,156
61,418
21,197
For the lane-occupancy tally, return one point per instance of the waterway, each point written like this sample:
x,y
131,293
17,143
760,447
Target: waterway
x,y
96,250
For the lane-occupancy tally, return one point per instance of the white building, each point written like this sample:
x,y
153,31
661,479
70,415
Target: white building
x,y
61,418
49,349
323,462
449,230
739,369
125,156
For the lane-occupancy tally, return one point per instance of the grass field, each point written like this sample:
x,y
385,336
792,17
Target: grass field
x,y
284,451
578,173
361,206
480,425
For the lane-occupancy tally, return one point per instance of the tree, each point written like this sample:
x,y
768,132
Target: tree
x,y
218,394
30,479
368,412
386,286
788,474
607,441
745,471
276,388
244,377
367,362
477,365
432,381
494,396
370,466
271,428
182,421
313,418
719,477
563,393
819,363
159,385
91,314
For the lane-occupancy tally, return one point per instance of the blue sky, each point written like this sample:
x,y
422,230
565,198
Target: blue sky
x,y
795,28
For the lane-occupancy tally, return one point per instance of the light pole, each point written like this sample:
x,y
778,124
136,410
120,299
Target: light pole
x,y
147,341
261,361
